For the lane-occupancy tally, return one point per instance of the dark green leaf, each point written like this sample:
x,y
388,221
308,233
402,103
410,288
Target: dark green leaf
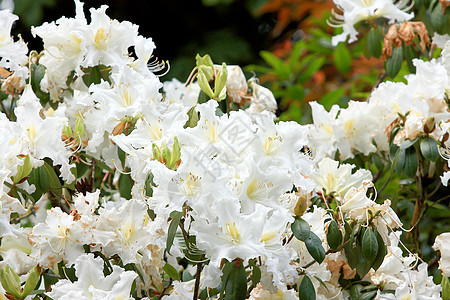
x,y
409,56
236,284
256,273
438,19
334,235
411,162
374,43
429,148
369,245
49,180
315,248
300,228
408,143
94,75
382,251
400,160
306,290
394,63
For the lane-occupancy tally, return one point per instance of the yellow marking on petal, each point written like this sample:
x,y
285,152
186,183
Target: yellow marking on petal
x,y
127,231
100,38
125,96
233,232
31,133
348,125
327,128
268,236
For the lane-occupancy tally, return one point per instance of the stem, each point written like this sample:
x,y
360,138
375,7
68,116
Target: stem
x,y
197,279
164,289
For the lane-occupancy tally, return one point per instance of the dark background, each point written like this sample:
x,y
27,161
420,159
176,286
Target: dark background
x,y
230,31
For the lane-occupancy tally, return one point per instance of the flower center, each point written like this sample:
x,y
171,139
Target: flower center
x,y
233,232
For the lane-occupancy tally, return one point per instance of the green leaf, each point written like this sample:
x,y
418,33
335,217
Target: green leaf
x,y
411,162
378,162
176,217
34,179
394,63
399,160
408,143
236,284
32,281
369,245
94,75
438,19
306,290
278,65
409,56
342,58
351,252
429,148
171,271
300,228
374,43
334,235
256,273
315,248
382,251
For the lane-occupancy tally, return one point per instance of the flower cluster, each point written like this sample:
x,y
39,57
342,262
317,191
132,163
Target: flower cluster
x,y
115,185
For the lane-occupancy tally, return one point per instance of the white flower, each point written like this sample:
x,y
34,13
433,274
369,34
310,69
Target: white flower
x,y
61,237
354,11
322,132
106,41
355,129
334,178
227,235
442,243
359,207
12,54
42,137
92,284
262,99
445,178
129,227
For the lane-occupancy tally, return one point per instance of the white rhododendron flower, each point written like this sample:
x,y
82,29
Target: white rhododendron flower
x,y
92,284
442,243
13,55
116,185
61,237
338,178
354,11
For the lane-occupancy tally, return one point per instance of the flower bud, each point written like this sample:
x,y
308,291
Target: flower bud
x,y
204,84
430,125
79,127
205,65
10,281
301,206
220,89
